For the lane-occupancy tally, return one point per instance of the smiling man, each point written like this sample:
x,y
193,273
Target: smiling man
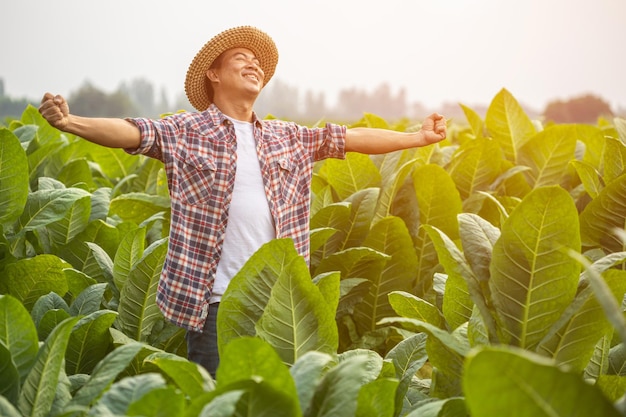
x,y
235,181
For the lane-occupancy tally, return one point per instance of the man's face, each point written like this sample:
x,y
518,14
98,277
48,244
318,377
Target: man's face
x,y
237,71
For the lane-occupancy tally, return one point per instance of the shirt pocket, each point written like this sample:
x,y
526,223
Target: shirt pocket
x,y
196,179
292,186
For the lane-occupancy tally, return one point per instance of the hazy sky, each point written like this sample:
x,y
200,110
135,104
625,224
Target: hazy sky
x,y
439,50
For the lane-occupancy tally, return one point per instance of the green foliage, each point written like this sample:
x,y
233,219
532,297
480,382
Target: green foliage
x,y
481,276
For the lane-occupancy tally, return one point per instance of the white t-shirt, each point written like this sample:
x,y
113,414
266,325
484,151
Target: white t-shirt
x,y
250,223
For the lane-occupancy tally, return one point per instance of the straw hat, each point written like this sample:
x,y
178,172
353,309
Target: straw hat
x,y
197,86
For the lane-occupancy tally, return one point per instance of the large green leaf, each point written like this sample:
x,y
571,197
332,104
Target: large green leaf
x,y
391,237
614,159
574,344
13,177
533,279
190,377
358,262
457,301
137,207
249,359
147,180
9,376
297,318
30,278
408,356
363,206
508,124
439,204
477,239
307,373
76,219
39,388
48,206
376,398
354,173
77,173
250,289
446,352
548,154
475,166
501,381
138,311
18,334
337,216
338,392
160,402
128,254
114,162
409,306
89,343
105,372
475,121
391,184
89,300
603,215
123,393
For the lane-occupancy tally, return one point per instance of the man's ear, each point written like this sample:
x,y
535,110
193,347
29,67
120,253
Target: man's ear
x,y
212,75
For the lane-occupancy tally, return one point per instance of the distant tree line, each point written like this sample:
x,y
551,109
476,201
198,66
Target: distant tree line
x,y
139,97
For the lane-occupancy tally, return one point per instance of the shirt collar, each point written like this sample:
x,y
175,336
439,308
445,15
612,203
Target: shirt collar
x,y
218,118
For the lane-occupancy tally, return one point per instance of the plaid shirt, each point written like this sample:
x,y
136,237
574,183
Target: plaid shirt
x,y
199,153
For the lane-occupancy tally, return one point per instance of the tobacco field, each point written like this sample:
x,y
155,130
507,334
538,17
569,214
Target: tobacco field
x,y
483,276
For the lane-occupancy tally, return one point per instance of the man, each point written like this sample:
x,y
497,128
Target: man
x,y
235,181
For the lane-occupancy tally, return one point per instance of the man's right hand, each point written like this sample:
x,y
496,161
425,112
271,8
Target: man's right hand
x,y
55,110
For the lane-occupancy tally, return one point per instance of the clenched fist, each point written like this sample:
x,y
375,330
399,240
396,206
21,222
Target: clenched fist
x,y
55,110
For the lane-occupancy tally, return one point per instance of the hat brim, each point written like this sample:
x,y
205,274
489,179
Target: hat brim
x,y
197,87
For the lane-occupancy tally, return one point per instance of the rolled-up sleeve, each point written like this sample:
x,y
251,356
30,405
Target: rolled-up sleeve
x,y
151,137
333,143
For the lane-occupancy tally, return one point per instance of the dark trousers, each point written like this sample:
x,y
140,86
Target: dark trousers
x,y
202,346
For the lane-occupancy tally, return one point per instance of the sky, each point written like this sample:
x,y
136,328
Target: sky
x,y
439,51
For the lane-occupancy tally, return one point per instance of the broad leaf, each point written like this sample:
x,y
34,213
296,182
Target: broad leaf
x,y
533,279
9,376
297,318
307,372
508,124
105,372
137,207
250,359
475,166
250,289
39,388
498,380
354,173
391,237
48,206
475,121
573,346
138,311
13,177
439,204
338,392
18,334
89,343
190,377
603,215
123,393
30,278
548,154
128,254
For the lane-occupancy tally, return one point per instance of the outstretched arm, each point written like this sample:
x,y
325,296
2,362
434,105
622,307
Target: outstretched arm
x,y
110,132
376,141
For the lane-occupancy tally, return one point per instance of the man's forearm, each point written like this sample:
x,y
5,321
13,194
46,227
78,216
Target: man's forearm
x,y
110,132
376,141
